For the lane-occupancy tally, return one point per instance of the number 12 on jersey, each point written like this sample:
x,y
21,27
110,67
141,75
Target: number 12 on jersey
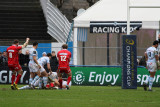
x,y
63,58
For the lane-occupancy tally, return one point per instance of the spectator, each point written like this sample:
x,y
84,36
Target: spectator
x,y
4,59
1,61
142,61
54,62
21,58
26,58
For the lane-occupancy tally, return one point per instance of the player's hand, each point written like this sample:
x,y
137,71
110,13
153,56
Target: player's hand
x,y
50,73
39,66
27,39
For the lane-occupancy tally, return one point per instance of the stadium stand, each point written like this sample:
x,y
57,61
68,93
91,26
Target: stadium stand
x,y
22,18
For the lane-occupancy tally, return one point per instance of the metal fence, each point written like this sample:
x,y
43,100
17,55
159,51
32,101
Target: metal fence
x,y
86,55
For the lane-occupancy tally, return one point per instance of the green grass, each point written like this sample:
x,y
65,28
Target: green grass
x,y
80,96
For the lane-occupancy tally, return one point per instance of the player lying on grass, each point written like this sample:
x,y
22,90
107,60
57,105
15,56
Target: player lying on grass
x,y
13,61
45,59
52,83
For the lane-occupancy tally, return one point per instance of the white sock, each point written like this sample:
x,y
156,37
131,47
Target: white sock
x,y
150,82
40,82
45,80
30,80
147,80
24,87
35,79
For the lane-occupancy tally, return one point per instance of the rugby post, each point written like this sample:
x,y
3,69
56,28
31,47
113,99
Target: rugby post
x,y
133,62
129,62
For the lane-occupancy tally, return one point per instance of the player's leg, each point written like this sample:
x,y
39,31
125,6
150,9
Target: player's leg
x,y
69,78
13,79
56,83
37,71
20,72
152,74
45,77
36,78
24,87
32,75
40,82
149,67
60,78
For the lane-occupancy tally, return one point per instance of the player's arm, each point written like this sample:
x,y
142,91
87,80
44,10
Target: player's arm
x,y
35,60
157,58
26,43
146,56
49,68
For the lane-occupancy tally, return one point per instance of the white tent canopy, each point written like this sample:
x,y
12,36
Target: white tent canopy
x,y
116,10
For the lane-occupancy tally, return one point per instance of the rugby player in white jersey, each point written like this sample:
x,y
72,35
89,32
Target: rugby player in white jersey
x,y
152,63
45,59
53,78
34,66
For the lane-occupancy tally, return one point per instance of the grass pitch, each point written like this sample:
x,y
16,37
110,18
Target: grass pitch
x,y
80,96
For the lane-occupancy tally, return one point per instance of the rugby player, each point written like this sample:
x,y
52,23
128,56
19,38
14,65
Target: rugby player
x,y
13,61
45,59
34,66
64,57
52,83
152,63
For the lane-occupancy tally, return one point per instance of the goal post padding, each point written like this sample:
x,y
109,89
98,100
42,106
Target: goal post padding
x,y
129,62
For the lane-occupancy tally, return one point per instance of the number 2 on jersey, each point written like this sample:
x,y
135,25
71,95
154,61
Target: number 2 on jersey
x,y
10,55
63,58
149,54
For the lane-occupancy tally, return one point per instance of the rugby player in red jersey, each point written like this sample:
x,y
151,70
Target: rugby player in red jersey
x,y
13,61
64,57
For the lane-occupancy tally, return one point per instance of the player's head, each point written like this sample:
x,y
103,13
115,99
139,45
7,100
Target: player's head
x,y
64,46
16,42
44,54
35,44
155,43
49,55
53,53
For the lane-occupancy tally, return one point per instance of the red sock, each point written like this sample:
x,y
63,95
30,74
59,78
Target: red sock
x,y
60,82
68,80
51,84
18,78
13,78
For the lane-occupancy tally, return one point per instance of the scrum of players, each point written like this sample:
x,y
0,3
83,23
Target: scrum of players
x,y
39,78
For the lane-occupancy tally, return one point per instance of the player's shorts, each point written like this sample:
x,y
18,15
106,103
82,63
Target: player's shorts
x,y
15,67
64,69
152,67
34,68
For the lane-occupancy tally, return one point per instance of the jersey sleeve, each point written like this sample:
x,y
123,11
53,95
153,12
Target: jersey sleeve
x,y
34,53
48,60
156,52
70,55
19,47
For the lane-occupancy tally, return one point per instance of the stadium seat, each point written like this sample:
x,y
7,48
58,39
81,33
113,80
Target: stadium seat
x,y
22,18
